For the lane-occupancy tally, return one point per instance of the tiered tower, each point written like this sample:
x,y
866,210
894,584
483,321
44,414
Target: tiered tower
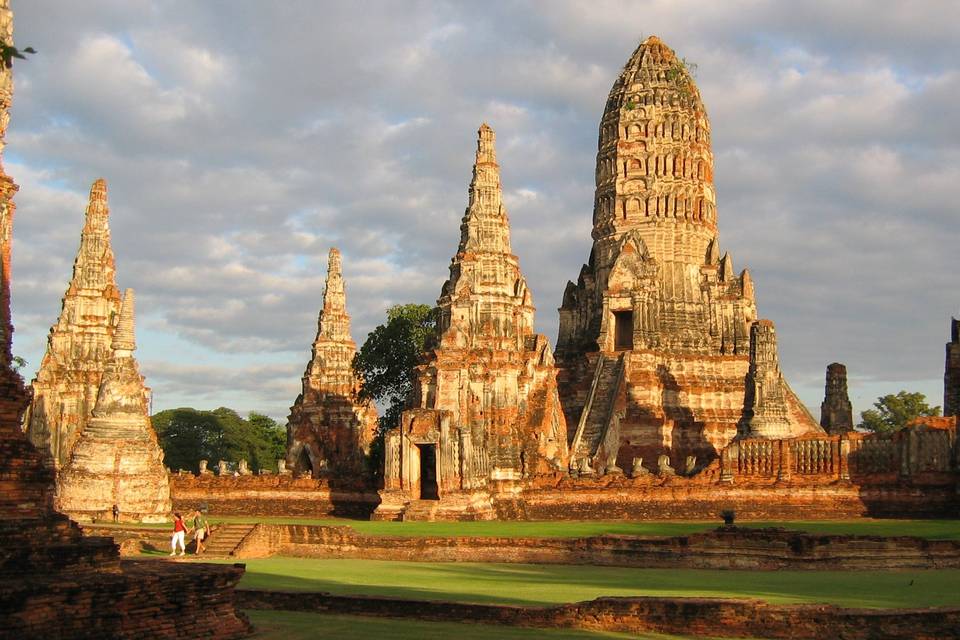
x,y
951,372
79,344
836,411
658,314
117,461
329,430
487,402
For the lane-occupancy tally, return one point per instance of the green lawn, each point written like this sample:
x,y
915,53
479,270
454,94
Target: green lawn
x,y
527,584
934,529
295,625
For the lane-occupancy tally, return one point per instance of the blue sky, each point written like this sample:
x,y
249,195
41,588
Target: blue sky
x,y
241,139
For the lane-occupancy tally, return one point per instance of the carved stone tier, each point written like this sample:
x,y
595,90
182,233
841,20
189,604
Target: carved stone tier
x,y
487,403
117,462
329,430
78,347
657,287
836,412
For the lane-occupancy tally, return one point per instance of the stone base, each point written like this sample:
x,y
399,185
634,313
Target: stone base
x,y
473,505
143,599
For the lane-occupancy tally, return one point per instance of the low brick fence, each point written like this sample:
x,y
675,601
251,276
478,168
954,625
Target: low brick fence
x,y
686,616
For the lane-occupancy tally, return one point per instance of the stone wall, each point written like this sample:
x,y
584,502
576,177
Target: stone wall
x,y
145,599
274,495
723,548
684,616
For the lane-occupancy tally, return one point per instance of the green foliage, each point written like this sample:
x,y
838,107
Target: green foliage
x,y
386,360
18,363
9,52
681,74
893,412
190,435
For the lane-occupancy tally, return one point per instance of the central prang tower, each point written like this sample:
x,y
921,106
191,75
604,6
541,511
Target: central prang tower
x,y
656,337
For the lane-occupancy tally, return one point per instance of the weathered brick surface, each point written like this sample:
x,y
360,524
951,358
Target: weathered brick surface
x,y
685,616
142,599
725,548
271,495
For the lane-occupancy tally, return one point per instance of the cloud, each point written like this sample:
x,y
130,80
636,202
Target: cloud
x,y
240,144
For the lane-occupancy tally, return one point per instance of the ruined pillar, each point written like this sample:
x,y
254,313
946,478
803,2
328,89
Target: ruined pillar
x,y
951,373
836,411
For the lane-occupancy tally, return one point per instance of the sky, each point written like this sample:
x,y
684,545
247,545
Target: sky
x,y
241,139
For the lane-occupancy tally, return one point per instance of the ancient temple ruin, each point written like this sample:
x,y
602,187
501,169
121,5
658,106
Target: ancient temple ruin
x,y
836,411
659,338
486,403
117,462
79,344
951,372
329,430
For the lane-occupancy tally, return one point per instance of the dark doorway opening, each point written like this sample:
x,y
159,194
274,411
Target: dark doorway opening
x,y
428,472
623,330
304,464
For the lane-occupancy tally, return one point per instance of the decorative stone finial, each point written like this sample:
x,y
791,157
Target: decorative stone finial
x,y
124,337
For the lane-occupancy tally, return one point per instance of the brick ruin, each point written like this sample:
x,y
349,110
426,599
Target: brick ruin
x,y
54,582
79,344
659,338
486,407
836,411
117,461
951,372
329,429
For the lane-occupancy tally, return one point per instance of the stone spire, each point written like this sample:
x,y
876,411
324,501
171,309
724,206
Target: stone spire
x,y
951,372
79,344
117,459
657,287
329,430
766,414
486,301
485,403
836,411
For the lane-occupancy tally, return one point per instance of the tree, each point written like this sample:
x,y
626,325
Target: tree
x,y
190,435
893,412
386,360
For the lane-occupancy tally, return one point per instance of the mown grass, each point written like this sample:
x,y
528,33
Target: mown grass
x,y
932,529
290,625
527,584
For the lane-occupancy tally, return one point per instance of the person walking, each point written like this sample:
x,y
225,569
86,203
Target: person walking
x,y
200,529
179,532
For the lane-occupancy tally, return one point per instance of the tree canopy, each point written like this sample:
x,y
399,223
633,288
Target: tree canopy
x,y
188,436
386,360
895,411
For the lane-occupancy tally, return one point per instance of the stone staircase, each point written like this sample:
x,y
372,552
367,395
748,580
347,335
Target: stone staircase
x,y
596,413
226,538
420,510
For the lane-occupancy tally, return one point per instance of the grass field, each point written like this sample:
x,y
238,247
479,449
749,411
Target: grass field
x,y
933,529
527,584
290,625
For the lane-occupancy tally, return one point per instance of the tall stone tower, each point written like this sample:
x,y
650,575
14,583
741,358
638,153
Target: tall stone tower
x,y
836,412
658,321
79,344
329,430
486,400
117,460
951,372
